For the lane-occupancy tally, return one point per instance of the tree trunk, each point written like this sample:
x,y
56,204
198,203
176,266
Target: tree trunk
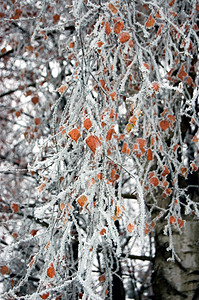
x,y
177,280
180,279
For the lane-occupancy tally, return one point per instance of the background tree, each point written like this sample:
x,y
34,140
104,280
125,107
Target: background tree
x,y
99,149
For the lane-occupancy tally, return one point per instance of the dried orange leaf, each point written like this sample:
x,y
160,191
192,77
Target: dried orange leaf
x,y
17,113
15,207
109,134
44,34
56,18
3,50
111,114
102,83
171,118
130,227
152,141
165,183
61,89
149,154
45,296
15,235
175,147
124,148
165,171
152,224
41,187
135,147
147,230
146,66
189,80
62,206
112,8
47,245
17,14
51,271
102,278
32,261
63,130
154,181
172,219
87,124
37,121
107,28
112,95
72,45
194,167
61,179
99,44
131,43
93,142
4,270
103,124
35,100
150,22
133,120
33,232
158,16
114,176
155,86
99,176
164,125
160,29
141,142
124,37
103,231
74,134
120,137
82,200
182,73
118,27
180,223
168,192
172,3
184,171
195,139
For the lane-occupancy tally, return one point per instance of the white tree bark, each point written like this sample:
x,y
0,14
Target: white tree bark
x,y
180,279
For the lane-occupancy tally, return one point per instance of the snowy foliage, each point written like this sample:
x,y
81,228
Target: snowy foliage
x,y
105,95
